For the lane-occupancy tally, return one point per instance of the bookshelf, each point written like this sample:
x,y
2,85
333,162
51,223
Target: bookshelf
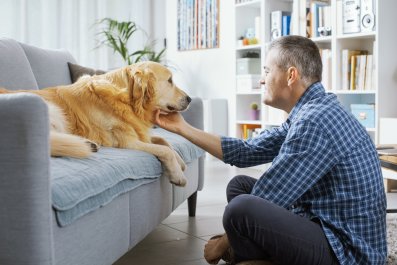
x,y
379,43
254,14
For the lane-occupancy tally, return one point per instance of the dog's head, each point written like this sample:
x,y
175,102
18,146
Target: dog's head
x,y
151,86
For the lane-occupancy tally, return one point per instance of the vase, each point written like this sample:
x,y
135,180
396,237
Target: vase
x,y
254,114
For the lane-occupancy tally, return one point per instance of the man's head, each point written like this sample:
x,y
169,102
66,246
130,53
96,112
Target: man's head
x,y
292,64
301,53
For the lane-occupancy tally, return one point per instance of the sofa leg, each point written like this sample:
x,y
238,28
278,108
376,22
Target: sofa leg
x,y
191,204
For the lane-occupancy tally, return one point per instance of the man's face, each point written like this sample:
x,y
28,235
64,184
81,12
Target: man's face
x,y
275,81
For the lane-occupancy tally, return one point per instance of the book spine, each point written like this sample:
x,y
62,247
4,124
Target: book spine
x,y
286,25
353,61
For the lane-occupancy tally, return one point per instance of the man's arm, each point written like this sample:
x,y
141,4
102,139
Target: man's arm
x,y
174,122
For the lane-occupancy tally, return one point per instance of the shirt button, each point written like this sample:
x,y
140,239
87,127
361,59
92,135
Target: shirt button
x,y
292,206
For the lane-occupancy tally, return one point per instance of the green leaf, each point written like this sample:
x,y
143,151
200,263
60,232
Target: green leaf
x,y
117,34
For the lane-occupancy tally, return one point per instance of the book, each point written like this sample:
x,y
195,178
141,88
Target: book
x,y
353,64
308,23
368,73
286,21
327,66
298,18
356,73
361,72
346,61
327,16
315,16
248,129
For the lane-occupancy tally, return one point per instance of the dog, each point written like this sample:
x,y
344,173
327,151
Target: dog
x,y
115,109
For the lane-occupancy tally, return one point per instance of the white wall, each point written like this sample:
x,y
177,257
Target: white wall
x,y
69,24
208,74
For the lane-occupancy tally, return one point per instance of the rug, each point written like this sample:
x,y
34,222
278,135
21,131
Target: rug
x,y
392,238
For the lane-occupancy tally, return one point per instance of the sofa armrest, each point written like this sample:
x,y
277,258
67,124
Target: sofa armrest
x,y
194,115
25,216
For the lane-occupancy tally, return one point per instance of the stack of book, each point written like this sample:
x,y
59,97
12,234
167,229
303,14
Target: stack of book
x,y
320,18
357,70
248,130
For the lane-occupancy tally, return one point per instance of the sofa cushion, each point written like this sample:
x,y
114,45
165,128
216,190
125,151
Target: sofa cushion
x,y
77,71
49,66
80,186
15,71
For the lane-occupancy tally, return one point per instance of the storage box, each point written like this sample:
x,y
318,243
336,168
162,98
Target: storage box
x,y
248,83
248,66
365,113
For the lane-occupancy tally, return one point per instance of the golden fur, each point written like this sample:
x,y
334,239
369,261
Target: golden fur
x,y
115,110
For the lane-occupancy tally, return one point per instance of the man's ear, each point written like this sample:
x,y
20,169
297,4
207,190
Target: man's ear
x,y
293,75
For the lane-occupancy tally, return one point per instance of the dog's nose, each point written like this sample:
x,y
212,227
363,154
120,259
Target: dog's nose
x,y
188,99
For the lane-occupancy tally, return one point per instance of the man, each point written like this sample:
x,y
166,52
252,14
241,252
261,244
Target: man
x,y
322,200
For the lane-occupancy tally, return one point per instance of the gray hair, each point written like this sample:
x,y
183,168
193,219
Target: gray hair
x,y
301,53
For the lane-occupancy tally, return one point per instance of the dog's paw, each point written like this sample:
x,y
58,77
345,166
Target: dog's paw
x,y
180,161
173,169
179,182
94,146
176,176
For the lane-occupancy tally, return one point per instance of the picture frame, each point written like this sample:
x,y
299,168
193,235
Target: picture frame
x,y
198,24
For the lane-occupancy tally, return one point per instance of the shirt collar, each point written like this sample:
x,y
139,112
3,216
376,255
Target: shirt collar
x,y
313,91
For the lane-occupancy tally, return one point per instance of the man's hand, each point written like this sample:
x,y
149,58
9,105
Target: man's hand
x,y
172,122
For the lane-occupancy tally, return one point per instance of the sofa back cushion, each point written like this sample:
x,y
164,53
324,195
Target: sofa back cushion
x,y
49,66
15,70
77,71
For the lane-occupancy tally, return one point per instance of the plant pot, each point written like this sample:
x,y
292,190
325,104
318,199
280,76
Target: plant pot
x,y
254,114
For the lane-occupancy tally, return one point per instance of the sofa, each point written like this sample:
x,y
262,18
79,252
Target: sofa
x,y
60,210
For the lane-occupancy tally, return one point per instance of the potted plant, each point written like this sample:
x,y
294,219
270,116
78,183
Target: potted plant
x,y
254,111
116,35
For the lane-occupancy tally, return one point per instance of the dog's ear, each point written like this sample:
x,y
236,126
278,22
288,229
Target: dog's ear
x,y
141,84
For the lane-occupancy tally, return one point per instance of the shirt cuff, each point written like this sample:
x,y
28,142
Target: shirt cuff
x,y
230,147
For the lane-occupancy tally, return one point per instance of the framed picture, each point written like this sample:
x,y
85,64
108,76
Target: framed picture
x,y
198,24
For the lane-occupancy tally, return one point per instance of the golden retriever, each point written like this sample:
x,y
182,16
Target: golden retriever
x,y
115,109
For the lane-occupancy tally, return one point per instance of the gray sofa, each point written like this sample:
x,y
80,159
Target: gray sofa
x,y
56,210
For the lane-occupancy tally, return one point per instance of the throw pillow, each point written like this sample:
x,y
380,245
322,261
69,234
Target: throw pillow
x,y
76,71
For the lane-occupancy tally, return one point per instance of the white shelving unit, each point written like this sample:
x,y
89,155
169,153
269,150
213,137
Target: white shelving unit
x,y
245,14
380,43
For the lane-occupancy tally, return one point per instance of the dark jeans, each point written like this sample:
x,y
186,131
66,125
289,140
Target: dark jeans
x,y
260,230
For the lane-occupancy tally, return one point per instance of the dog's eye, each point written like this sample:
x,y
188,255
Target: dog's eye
x,y
170,80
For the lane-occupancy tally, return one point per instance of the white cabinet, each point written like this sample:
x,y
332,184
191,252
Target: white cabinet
x,y
254,16
380,43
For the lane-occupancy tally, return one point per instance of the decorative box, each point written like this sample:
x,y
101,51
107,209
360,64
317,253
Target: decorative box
x,y
248,66
248,83
365,113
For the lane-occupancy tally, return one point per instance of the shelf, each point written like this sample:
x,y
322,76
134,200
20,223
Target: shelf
x,y
272,123
256,122
252,3
249,47
361,35
326,39
250,93
352,92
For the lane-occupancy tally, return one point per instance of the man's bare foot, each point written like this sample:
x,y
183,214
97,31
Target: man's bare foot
x,y
215,248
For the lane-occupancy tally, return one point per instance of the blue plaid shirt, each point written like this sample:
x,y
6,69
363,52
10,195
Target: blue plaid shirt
x,y
325,166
